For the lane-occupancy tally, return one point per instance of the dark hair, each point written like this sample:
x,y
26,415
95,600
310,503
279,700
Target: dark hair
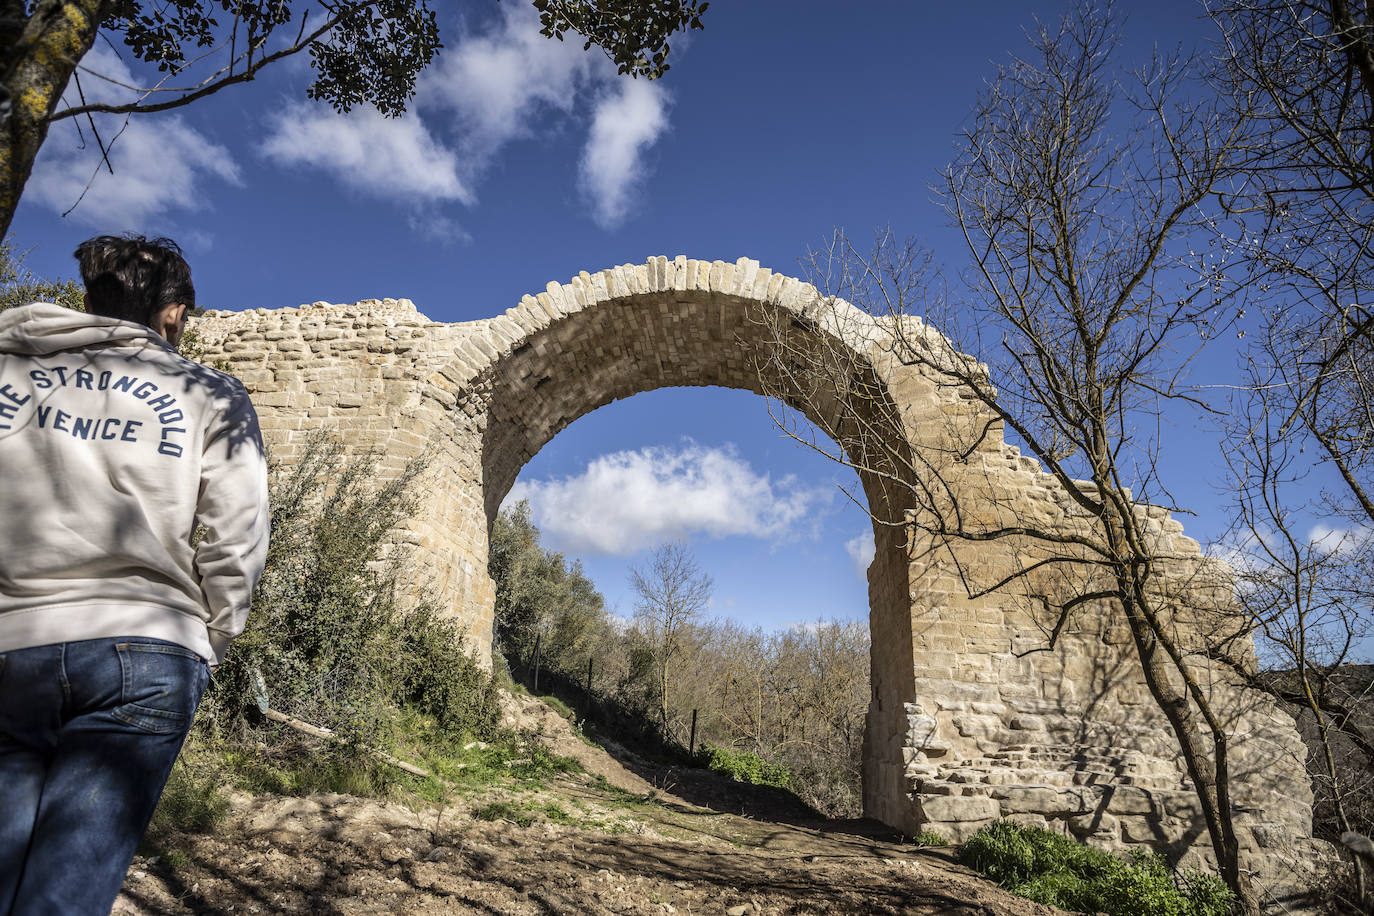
x,y
133,278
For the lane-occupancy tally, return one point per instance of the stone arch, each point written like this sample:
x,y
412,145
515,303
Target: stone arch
x,y
963,726
607,349
637,328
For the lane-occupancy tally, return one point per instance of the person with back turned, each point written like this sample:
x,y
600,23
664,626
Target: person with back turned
x,y
114,451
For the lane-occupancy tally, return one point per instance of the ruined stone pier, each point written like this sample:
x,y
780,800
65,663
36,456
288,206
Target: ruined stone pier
x,y
964,725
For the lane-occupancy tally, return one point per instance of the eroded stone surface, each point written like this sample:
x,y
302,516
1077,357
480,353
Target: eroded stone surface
x,y
967,723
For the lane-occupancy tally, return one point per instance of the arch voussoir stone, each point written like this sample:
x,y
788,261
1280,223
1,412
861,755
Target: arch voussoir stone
x,y
964,727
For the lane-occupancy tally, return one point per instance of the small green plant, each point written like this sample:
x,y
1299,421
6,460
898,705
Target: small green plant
x,y
522,814
557,706
746,766
174,858
507,757
505,811
191,803
539,762
930,838
1052,869
556,814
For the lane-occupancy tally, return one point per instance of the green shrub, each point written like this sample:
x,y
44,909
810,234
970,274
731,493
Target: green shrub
x,y
930,838
510,756
556,814
1052,869
1207,893
329,642
746,766
436,676
327,636
538,762
19,286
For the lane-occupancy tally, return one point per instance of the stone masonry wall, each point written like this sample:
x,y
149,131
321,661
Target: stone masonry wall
x,y
965,725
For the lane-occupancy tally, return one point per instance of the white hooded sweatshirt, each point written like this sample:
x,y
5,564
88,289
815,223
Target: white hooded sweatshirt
x,y
113,449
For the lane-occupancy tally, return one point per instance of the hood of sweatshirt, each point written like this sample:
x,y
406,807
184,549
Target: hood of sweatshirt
x,y
43,328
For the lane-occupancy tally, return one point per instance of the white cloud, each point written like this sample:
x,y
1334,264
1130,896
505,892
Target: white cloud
x,y
630,500
1243,556
160,162
627,122
1250,551
502,85
1341,542
430,223
386,157
861,550
481,94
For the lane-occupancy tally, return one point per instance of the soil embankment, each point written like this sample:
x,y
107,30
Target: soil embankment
x,y
613,839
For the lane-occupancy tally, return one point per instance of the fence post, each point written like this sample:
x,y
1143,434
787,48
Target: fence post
x,y
537,639
692,744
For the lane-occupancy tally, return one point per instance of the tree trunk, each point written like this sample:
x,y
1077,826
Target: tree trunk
x,y
1159,658
663,695
1206,767
55,37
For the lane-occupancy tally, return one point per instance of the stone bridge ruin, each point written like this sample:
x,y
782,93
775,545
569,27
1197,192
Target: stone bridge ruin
x,y
962,727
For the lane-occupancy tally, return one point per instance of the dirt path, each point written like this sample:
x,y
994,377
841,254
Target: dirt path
x,y
606,841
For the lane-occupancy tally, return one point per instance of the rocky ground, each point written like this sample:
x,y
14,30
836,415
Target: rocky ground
x,y
624,836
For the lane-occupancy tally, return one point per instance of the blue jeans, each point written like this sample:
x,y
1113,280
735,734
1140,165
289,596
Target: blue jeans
x,y
88,734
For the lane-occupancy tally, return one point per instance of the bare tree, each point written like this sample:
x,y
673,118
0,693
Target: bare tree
x,y
823,671
796,698
1075,191
1307,592
1303,71
673,592
1304,74
743,708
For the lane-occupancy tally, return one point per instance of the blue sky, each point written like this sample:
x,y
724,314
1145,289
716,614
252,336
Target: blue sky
x,y
524,161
